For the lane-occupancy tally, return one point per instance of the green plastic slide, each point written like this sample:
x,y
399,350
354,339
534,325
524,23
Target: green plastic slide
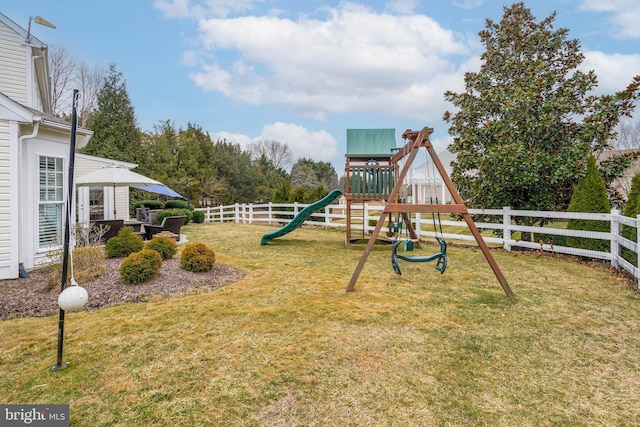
x,y
302,216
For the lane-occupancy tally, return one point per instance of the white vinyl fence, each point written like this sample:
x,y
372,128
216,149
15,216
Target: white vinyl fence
x,y
334,216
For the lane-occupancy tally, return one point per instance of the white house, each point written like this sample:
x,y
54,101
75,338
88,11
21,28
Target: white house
x,y
34,158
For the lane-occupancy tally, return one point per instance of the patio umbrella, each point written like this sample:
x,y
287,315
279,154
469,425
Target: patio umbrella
x,y
114,176
159,189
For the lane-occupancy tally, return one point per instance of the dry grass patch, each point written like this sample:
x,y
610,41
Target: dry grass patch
x,y
287,346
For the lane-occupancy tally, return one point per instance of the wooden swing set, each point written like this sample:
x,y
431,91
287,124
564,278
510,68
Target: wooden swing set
x,y
386,176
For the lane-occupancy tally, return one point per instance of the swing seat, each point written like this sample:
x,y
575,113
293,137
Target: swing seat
x,y
408,245
441,257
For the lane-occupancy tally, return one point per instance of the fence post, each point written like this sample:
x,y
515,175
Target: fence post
x,y
506,228
251,213
221,213
637,240
237,213
365,218
615,232
418,227
270,213
326,217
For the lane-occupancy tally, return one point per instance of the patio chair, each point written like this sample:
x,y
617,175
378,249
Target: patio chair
x,y
108,227
142,214
169,223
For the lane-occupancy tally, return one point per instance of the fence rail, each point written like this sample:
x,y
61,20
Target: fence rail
x,y
366,215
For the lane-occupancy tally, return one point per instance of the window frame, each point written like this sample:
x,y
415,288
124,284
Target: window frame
x,y
51,199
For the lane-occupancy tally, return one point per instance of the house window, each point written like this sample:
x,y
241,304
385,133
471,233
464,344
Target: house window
x,y
51,201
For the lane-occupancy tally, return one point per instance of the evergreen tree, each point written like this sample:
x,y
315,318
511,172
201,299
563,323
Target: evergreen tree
x,y
308,174
590,195
631,210
526,122
115,132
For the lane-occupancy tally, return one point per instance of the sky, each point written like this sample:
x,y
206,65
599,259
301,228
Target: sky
x,y
302,72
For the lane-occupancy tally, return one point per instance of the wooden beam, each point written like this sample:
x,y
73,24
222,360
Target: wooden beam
x,y
425,208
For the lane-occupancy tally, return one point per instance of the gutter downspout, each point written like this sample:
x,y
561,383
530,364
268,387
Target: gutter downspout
x,y
36,127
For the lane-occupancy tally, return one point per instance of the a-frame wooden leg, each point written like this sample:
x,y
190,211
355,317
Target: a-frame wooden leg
x,y
487,254
367,250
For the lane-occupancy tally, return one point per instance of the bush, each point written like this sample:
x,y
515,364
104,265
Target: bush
x,y
175,212
197,257
177,204
590,195
124,244
140,266
88,264
165,246
198,217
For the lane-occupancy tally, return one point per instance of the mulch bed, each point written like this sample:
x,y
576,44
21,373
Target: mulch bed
x,y
29,297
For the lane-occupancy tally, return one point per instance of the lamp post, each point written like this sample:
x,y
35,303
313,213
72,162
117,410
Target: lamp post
x,y
188,195
73,297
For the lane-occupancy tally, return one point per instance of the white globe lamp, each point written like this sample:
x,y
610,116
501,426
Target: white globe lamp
x,y
73,298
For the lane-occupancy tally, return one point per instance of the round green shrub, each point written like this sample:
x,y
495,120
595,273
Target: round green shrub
x,y
124,244
197,257
165,246
198,217
175,212
140,266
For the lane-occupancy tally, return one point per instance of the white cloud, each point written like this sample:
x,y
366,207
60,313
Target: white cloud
x,y
625,15
614,71
355,60
317,145
235,138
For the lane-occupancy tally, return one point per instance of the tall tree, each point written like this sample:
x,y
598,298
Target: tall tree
x,y
115,131
62,69
526,122
308,174
68,73
89,81
277,152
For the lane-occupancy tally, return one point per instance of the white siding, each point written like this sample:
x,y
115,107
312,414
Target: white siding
x,y
5,199
13,60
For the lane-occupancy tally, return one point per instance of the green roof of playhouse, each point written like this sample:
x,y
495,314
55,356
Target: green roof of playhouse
x,y
371,142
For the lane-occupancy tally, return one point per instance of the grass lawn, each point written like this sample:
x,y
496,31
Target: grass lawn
x,y
288,346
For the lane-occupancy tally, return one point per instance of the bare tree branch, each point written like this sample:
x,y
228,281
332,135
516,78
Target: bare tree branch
x,y
277,152
62,66
90,81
